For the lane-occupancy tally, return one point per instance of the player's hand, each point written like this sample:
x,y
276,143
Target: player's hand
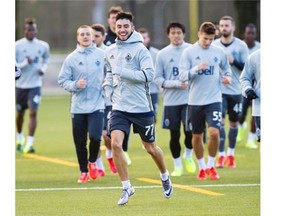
x,y
40,72
30,61
81,83
203,65
250,94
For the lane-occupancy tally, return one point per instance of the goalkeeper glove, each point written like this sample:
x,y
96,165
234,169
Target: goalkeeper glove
x,y
250,94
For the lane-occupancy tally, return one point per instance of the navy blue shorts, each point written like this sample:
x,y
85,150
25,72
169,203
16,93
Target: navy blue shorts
x,y
174,115
28,98
199,115
232,105
143,124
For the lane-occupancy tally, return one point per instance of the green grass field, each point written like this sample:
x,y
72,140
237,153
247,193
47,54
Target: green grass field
x,y
46,182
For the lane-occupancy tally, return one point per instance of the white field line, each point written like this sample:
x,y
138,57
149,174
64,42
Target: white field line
x,y
136,187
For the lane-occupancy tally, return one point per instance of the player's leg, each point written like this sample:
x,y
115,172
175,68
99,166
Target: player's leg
x,y
213,118
145,126
79,131
242,119
95,126
34,100
21,106
188,152
234,109
221,153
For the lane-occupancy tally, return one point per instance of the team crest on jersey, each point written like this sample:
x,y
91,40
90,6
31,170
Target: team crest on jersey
x,y
112,57
128,57
197,58
97,62
215,59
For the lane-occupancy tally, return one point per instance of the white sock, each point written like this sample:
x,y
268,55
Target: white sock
x,y
164,176
126,184
251,137
108,153
211,161
188,153
178,163
201,163
230,151
30,141
99,163
222,153
20,136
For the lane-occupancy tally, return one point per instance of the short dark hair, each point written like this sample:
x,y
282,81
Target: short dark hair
x,y
29,22
208,28
125,15
99,27
114,10
175,25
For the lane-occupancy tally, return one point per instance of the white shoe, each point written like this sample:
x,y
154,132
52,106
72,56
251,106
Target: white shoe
x,y
126,193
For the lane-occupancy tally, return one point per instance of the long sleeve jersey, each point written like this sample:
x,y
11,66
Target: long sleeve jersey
x,y
87,63
239,50
39,52
167,74
251,79
205,86
129,72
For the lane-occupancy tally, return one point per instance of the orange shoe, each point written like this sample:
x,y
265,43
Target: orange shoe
x,y
112,165
211,172
230,161
201,175
84,177
220,162
93,172
100,173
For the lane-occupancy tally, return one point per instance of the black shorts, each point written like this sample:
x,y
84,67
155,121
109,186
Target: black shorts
x,y
232,105
199,115
143,123
28,98
174,115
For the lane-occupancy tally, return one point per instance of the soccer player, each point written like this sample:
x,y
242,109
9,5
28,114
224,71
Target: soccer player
x,y
250,34
110,39
32,57
175,97
206,66
111,19
82,74
98,38
129,71
251,86
154,88
237,53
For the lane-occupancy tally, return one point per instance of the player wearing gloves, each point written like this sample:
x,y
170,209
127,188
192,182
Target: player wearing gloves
x,y
251,90
129,72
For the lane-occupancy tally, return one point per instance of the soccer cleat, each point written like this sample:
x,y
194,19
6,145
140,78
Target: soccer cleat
x,y
167,188
177,172
201,175
190,165
241,133
100,173
112,165
211,172
126,193
230,161
84,177
251,145
220,162
93,172
20,145
127,158
28,150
